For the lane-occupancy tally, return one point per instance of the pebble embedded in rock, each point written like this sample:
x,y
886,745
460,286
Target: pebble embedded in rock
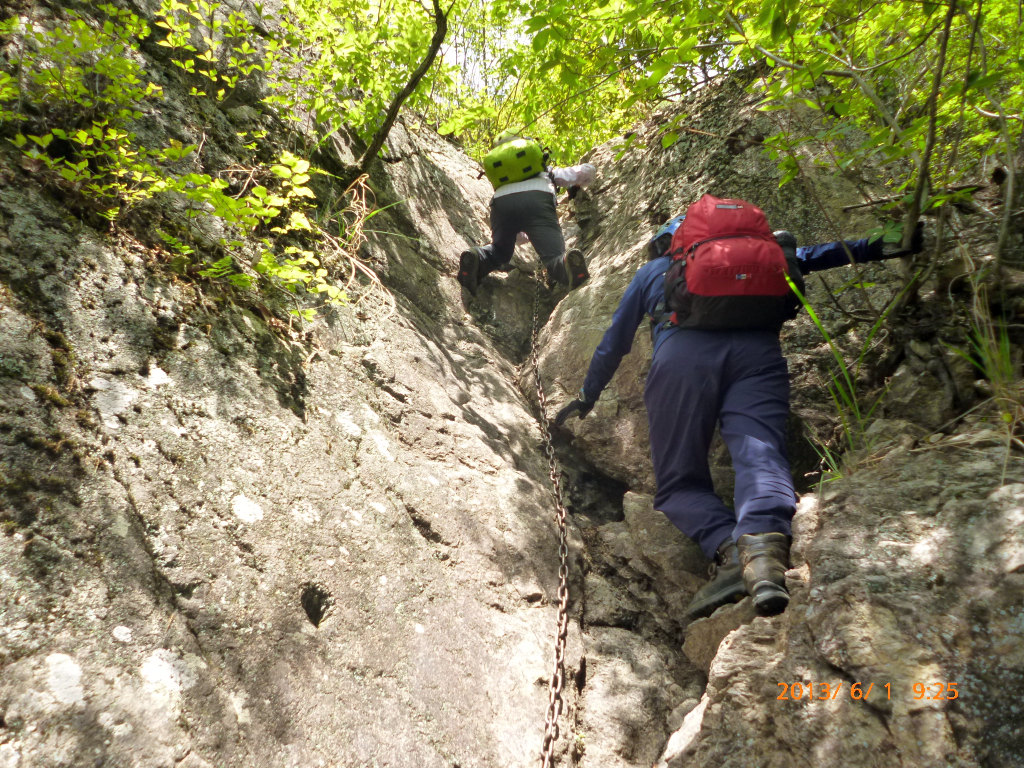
x,y
246,510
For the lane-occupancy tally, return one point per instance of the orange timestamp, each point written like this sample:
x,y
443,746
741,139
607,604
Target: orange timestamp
x,y
857,691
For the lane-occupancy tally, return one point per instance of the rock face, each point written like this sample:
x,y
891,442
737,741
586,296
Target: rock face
x,y
226,547
907,618
231,541
704,636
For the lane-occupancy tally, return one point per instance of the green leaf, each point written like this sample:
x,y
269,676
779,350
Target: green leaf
x,y
669,139
298,220
535,23
979,82
779,27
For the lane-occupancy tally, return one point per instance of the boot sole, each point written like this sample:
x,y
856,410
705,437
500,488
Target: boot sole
x,y
576,266
725,596
769,598
469,266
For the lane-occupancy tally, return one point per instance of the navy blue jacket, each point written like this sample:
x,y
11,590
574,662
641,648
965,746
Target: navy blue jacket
x,y
647,290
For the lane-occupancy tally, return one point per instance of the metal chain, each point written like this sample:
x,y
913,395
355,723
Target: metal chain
x,y
558,672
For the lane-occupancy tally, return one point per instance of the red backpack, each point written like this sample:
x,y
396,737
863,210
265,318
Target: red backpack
x,y
727,270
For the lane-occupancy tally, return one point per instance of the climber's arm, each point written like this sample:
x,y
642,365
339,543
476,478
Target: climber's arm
x,y
615,344
617,340
814,258
575,176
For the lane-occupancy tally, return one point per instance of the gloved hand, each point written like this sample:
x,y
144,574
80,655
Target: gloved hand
x,y
574,190
580,405
892,250
917,239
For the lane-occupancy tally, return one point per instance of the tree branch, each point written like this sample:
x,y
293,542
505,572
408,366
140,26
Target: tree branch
x,y
895,198
778,59
440,31
1008,192
985,113
921,188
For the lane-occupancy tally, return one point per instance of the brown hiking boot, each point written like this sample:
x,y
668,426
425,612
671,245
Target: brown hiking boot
x,y
765,559
726,585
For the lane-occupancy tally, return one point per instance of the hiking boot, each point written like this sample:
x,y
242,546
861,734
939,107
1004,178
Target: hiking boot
x,y
575,267
765,559
469,269
726,585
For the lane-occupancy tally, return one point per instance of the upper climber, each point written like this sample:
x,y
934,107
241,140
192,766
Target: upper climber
x,y
714,362
524,201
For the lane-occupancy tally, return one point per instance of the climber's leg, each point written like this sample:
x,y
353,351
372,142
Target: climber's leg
x,y
683,395
754,412
541,224
507,219
755,406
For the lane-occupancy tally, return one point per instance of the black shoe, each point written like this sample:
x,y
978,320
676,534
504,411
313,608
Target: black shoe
x,y
765,560
469,269
726,585
575,267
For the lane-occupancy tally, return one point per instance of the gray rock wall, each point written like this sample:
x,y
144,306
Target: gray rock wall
x,y
908,580
186,486
231,542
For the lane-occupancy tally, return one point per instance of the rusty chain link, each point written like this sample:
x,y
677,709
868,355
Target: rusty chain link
x,y
558,673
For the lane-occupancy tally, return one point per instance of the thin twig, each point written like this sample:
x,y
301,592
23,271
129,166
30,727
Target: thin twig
x,y
895,198
1008,194
985,113
923,171
781,61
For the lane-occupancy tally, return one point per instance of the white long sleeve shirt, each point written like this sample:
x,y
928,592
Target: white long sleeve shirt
x,y
575,176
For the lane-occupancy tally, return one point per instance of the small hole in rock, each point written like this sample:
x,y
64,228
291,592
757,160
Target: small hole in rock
x,y
316,602
581,675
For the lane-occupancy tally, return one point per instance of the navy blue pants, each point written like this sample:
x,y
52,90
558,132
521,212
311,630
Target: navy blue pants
x,y
737,378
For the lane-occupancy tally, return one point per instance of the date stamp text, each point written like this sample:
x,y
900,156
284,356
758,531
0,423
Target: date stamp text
x,y
856,691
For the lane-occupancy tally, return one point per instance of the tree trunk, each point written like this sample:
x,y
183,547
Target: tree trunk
x,y
440,31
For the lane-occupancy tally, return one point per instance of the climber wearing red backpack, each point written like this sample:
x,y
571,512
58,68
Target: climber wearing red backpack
x,y
716,294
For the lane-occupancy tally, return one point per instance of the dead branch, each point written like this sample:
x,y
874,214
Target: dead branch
x,y
894,198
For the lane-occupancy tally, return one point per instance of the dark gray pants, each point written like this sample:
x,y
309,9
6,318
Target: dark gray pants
x,y
531,212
